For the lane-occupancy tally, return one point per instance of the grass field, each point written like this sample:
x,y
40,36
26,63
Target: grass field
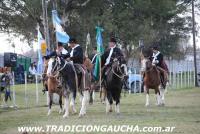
x,y
182,111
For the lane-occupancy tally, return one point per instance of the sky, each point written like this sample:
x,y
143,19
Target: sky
x,y
21,47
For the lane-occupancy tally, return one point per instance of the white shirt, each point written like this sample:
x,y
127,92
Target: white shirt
x,y
49,66
110,54
71,54
64,51
32,70
155,57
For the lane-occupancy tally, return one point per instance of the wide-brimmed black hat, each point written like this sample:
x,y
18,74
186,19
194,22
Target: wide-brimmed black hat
x,y
112,39
60,44
52,54
155,46
72,40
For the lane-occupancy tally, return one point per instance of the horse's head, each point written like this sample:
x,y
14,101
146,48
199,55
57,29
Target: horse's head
x,y
119,67
56,65
146,54
146,64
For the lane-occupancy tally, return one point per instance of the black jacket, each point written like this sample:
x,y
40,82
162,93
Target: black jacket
x,y
77,55
159,57
116,54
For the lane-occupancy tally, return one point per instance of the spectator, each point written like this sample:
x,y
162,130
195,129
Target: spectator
x,y
32,69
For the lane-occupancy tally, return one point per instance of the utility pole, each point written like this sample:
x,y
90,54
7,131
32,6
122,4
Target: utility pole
x,y
194,44
46,24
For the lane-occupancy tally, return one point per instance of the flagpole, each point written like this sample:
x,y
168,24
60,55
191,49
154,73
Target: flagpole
x,y
100,72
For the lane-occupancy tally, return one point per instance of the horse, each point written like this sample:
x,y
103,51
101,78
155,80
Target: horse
x,y
152,80
54,87
113,83
51,84
88,64
71,83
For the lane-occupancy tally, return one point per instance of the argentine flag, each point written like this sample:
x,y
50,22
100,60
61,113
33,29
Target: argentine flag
x,y
40,61
61,35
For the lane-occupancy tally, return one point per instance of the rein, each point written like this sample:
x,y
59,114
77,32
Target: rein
x,y
121,77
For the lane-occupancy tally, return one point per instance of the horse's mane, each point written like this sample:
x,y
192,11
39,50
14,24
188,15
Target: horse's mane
x,y
153,76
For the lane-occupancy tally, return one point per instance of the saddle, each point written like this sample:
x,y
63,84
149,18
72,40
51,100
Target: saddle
x,y
163,76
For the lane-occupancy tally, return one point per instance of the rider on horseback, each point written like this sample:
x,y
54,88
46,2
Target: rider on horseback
x,y
158,61
76,56
110,54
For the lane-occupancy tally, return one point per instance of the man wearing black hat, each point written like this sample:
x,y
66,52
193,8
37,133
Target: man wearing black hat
x,y
157,60
76,56
157,57
112,52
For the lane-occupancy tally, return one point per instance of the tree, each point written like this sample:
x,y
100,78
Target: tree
x,y
128,20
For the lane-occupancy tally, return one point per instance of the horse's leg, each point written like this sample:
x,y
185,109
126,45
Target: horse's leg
x,y
72,103
158,96
117,110
103,95
91,97
109,102
146,90
50,103
66,115
162,95
60,103
84,103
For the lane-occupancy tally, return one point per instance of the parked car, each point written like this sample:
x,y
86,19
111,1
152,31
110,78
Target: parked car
x,y
134,82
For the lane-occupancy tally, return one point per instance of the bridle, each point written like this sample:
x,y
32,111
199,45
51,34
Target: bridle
x,y
58,62
118,68
151,68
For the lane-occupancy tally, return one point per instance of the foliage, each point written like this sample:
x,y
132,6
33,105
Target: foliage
x,y
129,20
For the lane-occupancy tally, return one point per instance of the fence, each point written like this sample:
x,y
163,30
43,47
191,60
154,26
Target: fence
x,y
181,73
181,76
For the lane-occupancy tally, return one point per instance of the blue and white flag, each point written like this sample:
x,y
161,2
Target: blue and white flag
x,y
40,61
61,35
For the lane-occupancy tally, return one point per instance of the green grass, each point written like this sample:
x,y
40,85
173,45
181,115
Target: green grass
x,y
182,110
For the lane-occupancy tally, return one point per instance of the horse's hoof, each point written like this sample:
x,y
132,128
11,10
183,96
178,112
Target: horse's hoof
x,y
110,110
118,113
163,104
60,111
48,113
65,116
74,112
146,105
80,115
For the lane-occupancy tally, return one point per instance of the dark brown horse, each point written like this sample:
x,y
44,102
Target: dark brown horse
x,y
113,84
152,80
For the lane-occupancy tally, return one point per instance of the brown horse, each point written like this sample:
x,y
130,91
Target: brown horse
x,y
52,85
152,80
88,64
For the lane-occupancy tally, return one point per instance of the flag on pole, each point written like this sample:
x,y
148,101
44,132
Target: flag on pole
x,y
88,42
61,35
41,45
99,51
